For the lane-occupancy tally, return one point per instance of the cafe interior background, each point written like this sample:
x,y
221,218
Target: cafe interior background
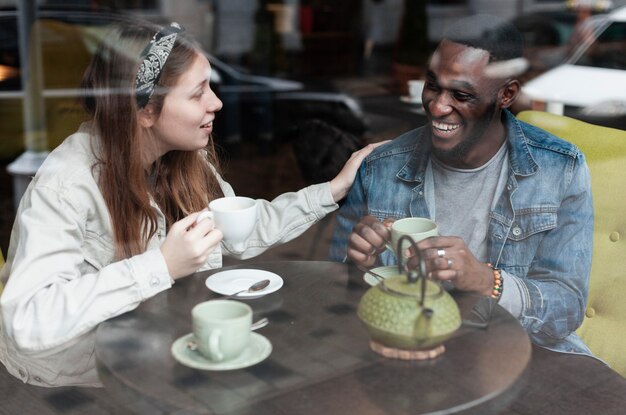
x,y
298,78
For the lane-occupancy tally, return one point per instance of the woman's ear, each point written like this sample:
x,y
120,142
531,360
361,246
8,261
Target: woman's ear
x,y
509,93
147,116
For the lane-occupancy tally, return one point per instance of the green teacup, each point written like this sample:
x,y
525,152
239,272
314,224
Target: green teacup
x,y
221,328
416,228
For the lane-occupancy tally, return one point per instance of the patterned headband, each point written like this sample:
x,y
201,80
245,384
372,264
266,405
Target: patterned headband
x,y
154,57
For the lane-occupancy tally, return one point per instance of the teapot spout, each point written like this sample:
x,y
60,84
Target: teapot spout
x,y
422,328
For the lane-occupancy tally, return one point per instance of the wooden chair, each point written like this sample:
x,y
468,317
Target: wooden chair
x,y
604,326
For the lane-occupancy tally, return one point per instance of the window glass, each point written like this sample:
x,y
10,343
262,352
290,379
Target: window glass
x,y
608,50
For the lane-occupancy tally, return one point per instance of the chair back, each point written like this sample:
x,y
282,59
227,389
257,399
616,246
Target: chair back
x,y
604,326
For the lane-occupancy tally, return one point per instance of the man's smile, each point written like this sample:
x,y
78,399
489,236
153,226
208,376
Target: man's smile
x,y
445,127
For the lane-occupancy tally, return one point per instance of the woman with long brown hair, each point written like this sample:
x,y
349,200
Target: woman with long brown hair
x,y
110,218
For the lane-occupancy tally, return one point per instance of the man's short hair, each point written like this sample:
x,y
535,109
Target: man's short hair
x,y
490,33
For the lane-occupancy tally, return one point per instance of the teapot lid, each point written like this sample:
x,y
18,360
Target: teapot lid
x,y
403,286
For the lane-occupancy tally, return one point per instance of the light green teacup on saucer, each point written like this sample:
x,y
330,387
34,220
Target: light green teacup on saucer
x,y
221,328
416,228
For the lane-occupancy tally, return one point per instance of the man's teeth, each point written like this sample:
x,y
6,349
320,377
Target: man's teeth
x,y
445,127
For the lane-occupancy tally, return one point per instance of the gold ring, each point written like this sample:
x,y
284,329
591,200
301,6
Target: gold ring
x,y
449,263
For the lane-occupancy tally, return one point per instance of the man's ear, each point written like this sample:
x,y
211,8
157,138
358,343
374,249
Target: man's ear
x,y
147,117
509,93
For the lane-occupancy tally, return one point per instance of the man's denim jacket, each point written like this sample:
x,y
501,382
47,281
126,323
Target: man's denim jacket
x,y
540,228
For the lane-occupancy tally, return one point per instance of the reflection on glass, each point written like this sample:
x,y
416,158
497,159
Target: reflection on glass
x,y
609,50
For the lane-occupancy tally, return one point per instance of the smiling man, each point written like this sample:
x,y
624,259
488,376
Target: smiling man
x,y
512,202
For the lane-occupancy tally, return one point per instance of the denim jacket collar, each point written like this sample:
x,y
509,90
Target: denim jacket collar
x,y
417,159
520,159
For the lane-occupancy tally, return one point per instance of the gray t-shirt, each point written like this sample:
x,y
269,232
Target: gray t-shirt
x,y
464,198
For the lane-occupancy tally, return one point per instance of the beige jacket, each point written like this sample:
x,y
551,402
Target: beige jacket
x,y
61,277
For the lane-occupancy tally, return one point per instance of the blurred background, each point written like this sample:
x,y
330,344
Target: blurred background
x,y
304,82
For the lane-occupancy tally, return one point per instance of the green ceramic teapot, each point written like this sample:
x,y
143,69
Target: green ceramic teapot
x,y
409,311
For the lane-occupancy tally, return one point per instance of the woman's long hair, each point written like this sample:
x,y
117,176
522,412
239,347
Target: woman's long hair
x,y
180,182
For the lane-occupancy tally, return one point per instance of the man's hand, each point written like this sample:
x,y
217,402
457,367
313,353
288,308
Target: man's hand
x,y
448,258
367,240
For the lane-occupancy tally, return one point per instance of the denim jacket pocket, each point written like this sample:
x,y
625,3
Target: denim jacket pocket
x,y
524,237
529,222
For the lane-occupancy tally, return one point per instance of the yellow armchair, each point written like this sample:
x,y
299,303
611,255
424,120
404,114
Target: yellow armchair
x,y
604,326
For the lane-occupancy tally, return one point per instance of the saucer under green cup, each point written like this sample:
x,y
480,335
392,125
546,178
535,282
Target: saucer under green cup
x,y
257,350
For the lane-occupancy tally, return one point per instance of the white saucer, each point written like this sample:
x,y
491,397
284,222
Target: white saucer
x,y
386,272
411,100
234,280
258,350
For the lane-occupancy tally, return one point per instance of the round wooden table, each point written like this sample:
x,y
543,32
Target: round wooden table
x,y
321,361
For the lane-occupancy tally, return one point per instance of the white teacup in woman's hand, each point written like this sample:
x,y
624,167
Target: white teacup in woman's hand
x,y
234,216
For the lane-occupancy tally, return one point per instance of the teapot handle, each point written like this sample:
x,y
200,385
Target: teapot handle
x,y
413,275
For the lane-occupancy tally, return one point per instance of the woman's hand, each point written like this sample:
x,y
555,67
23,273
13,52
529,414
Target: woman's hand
x,y
340,185
187,246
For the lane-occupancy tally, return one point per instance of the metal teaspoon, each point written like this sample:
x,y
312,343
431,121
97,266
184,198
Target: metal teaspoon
x,y
257,286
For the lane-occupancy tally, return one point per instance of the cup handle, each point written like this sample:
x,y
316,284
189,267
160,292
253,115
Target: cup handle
x,y
214,346
206,214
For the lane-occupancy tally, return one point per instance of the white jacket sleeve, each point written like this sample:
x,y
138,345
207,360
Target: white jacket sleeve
x,y
284,218
61,283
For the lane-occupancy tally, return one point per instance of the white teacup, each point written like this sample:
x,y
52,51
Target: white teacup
x,y
415,87
221,328
234,216
416,228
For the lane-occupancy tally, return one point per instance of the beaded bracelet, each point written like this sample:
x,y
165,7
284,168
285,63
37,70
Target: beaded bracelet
x,y
496,292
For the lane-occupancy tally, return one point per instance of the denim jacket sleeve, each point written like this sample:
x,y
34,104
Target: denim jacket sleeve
x,y
354,207
553,292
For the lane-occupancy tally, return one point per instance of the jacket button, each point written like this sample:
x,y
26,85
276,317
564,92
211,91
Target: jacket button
x,y
517,231
509,187
590,312
37,378
154,281
22,373
614,236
